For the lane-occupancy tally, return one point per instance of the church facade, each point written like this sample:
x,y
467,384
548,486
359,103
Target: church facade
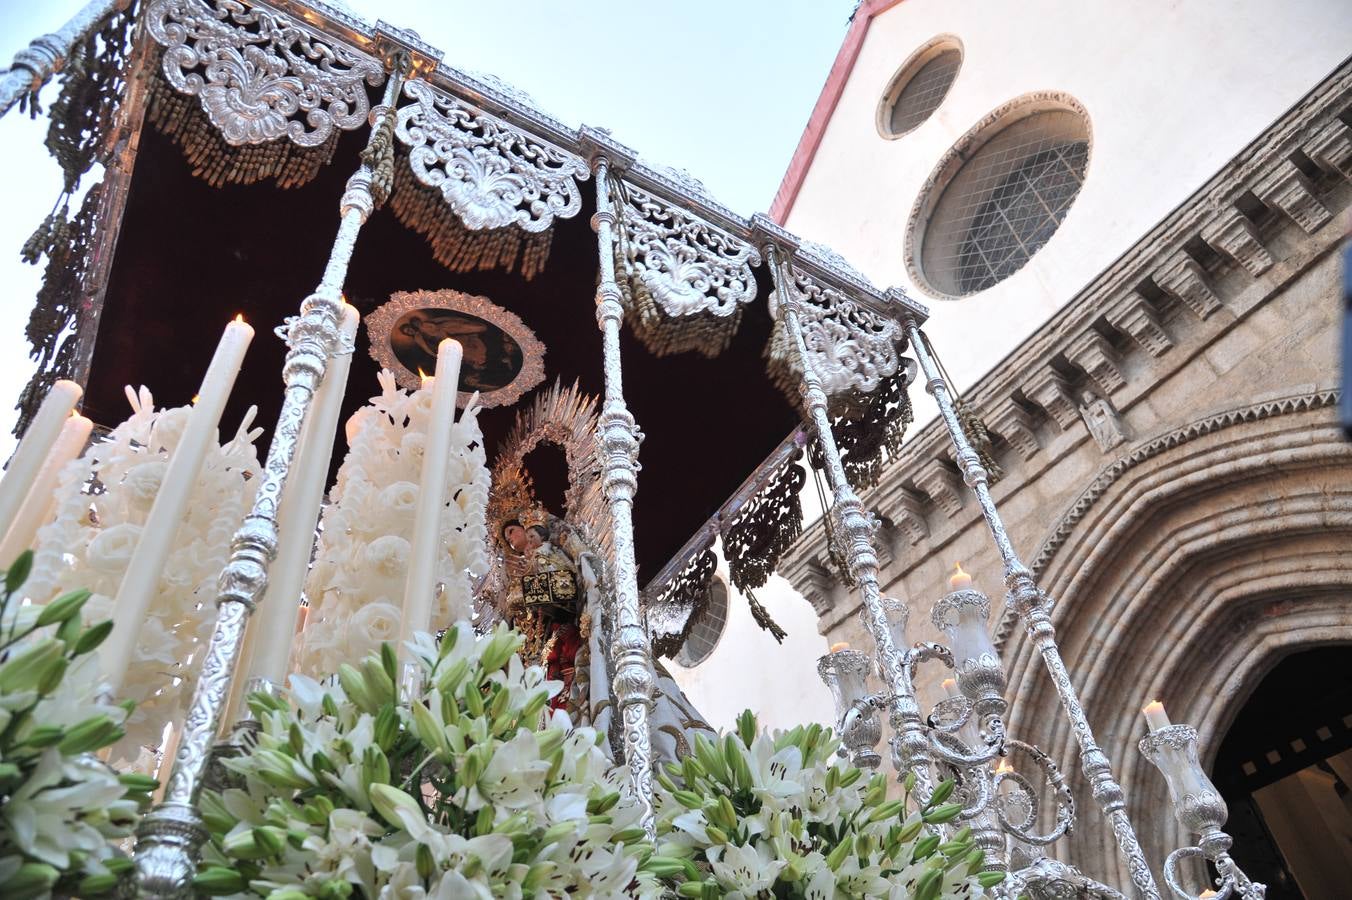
x,y
1137,276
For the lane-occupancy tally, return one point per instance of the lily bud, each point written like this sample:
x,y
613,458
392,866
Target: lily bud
x,y
389,800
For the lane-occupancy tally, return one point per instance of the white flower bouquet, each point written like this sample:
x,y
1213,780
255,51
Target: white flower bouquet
x,y
351,793
782,815
61,808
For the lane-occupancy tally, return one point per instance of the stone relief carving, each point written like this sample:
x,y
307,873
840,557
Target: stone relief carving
x,y
1103,421
260,75
490,173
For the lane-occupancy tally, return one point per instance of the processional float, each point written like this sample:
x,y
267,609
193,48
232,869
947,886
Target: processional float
x,y
254,90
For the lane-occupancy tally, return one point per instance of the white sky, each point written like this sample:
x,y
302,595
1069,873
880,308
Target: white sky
x,y
721,88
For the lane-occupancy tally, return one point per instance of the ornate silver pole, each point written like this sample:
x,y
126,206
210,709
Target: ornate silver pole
x,y
35,64
169,837
1032,606
619,437
856,529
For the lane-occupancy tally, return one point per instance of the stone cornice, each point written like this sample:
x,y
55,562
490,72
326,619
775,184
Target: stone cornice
x,y
1212,248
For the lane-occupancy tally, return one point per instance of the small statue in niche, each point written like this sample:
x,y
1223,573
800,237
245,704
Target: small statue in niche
x,y
1103,421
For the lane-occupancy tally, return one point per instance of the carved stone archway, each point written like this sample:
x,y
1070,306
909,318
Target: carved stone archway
x,y
1193,572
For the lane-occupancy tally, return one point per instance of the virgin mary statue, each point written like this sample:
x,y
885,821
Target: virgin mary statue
x,y
549,579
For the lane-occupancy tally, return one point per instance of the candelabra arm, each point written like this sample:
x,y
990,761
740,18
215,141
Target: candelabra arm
x,y
1031,605
1065,801
35,64
618,438
169,838
910,745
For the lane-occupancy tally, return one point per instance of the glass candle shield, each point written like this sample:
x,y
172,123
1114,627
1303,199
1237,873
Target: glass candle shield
x,y
1173,750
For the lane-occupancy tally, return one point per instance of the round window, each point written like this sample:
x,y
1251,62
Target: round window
x,y
997,196
919,87
708,627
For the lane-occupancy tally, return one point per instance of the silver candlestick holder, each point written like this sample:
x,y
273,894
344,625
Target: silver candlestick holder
x,y
845,673
1200,809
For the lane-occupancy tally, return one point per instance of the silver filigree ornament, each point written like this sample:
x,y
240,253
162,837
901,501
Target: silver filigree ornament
x,y
848,346
260,75
490,173
684,264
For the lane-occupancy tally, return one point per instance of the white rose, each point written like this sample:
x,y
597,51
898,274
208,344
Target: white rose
x,y
111,550
142,482
168,428
388,556
377,621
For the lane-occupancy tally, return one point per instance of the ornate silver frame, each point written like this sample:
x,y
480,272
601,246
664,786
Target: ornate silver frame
x,y
380,322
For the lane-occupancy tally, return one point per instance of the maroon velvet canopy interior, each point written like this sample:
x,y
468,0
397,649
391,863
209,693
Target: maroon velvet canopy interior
x,y
191,256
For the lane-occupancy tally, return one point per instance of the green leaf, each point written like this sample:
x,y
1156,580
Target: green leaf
x,y
17,573
63,608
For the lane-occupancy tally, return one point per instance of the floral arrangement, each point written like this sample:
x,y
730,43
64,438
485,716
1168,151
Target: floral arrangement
x,y
61,808
356,584
349,792
89,544
782,815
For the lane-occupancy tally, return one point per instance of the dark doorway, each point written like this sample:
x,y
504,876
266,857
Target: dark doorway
x,y
1285,770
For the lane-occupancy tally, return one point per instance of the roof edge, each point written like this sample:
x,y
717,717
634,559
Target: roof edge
x,y
811,139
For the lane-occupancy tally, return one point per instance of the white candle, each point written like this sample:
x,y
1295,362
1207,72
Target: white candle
x,y
33,450
171,502
422,568
36,506
950,686
1155,715
273,626
959,580
839,646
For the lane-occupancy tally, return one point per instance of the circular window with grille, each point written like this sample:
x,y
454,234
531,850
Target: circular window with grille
x,y
998,195
708,627
919,86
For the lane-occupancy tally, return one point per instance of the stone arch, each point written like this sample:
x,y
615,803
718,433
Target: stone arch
x,y
1189,577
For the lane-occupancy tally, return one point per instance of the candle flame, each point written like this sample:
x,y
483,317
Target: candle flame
x,y
195,398
239,317
842,645
1003,768
957,569
424,377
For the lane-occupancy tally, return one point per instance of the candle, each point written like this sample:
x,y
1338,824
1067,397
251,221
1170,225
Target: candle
x,y
839,646
1206,894
1155,716
274,624
38,504
422,568
171,502
950,686
35,447
959,580
1003,768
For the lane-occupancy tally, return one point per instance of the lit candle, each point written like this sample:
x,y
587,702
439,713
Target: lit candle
x,y
420,585
1206,894
171,503
1155,715
959,580
273,626
839,646
36,445
950,686
36,506
1003,767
